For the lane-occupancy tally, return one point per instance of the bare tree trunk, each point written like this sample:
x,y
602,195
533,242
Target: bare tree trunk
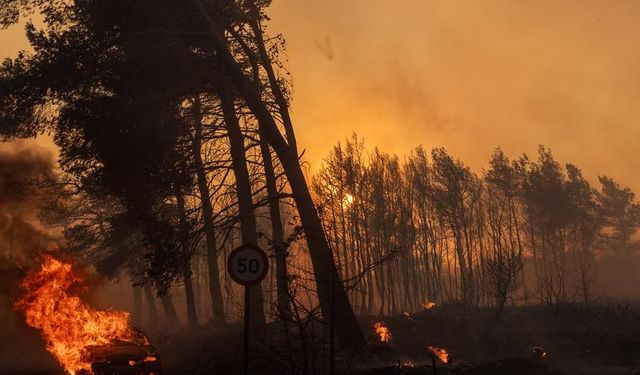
x,y
215,290
169,311
136,314
277,232
243,190
347,327
192,317
151,306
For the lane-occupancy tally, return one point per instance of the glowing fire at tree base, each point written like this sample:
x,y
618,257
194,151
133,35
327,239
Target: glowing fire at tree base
x,y
439,353
68,325
382,332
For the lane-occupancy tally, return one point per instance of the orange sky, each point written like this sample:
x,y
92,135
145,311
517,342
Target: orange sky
x,y
466,75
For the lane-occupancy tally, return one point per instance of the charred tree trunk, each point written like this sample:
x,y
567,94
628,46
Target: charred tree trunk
x,y
192,318
136,314
215,290
170,314
152,313
243,191
347,327
277,232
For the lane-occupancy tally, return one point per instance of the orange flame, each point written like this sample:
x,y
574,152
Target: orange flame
x,y
407,364
68,325
429,305
382,332
440,353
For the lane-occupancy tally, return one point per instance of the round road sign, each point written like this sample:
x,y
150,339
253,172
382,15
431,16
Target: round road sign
x,y
247,265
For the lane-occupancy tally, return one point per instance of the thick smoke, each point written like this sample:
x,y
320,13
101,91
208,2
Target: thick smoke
x,y
24,173
468,76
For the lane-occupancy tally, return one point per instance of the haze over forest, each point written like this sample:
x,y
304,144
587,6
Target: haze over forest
x,y
350,187
468,76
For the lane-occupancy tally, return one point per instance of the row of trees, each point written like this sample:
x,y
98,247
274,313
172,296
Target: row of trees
x,y
175,136
176,144
522,230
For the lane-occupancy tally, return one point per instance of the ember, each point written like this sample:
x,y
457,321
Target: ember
x,y
440,353
404,364
382,332
428,305
538,352
68,325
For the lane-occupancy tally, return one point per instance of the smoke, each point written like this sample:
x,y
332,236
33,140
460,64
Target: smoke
x,y
469,76
25,168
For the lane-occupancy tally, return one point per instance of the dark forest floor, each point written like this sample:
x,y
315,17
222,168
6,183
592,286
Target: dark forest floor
x,y
601,340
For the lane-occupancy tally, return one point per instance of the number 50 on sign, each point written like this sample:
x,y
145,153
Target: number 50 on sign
x,y
247,265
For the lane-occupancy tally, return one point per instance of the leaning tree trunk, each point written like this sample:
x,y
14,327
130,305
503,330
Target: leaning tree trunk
x,y
215,290
328,282
151,306
243,191
136,314
277,232
171,317
192,318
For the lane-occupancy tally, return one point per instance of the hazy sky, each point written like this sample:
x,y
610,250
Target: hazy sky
x,y
467,75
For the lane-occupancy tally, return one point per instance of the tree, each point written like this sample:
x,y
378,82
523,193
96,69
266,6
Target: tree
x,y
327,279
455,191
118,120
505,256
620,215
583,229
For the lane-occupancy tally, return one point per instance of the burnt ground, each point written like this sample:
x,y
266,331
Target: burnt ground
x,y
604,340
600,340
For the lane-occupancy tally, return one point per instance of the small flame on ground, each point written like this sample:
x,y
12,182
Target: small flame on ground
x,y
382,332
406,315
68,325
539,352
440,353
428,305
404,364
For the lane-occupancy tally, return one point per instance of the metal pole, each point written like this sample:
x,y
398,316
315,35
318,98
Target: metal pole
x,y
247,322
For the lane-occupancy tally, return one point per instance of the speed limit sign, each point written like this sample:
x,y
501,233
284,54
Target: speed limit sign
x,y
248,265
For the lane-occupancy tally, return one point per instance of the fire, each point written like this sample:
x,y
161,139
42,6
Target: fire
x,y
539,352
429,305
440,353
68,325
407,364
382,332
348,199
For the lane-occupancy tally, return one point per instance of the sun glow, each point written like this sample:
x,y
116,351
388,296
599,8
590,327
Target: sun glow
x,y
348,199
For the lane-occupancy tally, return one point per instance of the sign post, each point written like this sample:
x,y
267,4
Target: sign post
x,y
247,265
